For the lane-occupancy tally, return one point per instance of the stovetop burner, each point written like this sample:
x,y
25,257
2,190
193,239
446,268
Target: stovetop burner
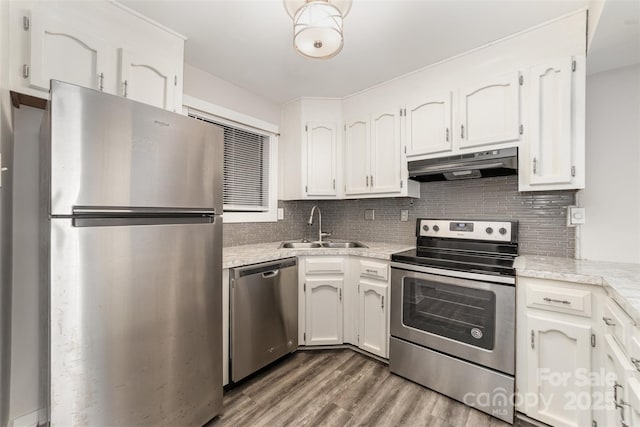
x,y
487,247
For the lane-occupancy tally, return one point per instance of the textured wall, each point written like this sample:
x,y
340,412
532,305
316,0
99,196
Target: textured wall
x,y
542,216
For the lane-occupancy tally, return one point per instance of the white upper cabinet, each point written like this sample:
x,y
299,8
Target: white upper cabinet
x,y
58,50
357,155
100,45
553,155
148,78
386,158
428,126
490,112
322,150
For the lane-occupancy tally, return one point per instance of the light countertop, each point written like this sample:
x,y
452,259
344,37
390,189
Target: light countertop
x,y
236,256
621,281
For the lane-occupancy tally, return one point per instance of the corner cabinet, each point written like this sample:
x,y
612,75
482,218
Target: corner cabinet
x,y
553,156
310,149
75,42
374,164
321,300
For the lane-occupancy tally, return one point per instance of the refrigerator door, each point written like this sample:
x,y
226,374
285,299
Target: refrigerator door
x,y
107,151
135,336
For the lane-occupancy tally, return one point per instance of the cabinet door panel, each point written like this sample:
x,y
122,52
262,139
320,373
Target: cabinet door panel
x,y
356,157
559,351
61,52
385,153
429,126
616,369
147,78
324,311
321,159
372,323
550,125
490,112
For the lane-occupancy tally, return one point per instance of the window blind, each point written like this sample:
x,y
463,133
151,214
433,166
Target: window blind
x,y
246,170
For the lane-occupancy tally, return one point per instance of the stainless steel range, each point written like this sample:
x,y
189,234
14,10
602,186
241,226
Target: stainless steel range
x,y
453,312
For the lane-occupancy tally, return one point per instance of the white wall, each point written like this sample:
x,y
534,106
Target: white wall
x,y
207,87
612,193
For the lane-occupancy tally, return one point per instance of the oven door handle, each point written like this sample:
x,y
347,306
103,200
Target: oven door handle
x,y
454,273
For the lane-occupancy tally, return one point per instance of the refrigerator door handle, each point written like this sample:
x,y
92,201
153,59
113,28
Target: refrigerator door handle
x,y
93,221
104,211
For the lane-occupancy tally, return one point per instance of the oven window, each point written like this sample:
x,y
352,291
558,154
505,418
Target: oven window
x,y
456,312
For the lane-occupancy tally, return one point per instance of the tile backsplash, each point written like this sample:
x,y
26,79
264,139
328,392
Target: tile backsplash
x,y
541,215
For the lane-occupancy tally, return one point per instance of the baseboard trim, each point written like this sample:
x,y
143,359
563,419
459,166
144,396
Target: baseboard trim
x,y
347,347
31,419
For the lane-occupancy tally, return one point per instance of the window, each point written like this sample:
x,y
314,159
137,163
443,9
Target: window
x,y
250,168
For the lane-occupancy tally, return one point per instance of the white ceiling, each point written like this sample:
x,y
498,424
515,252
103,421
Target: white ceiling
x,y
249,42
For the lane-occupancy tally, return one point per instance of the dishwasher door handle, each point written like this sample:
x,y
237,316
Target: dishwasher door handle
x,y
270,274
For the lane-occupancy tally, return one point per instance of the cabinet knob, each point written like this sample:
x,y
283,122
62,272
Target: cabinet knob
x,y
607,321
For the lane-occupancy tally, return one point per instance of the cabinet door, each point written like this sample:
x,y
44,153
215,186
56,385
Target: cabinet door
x,y
615,391
429,126
550,123
324,311
147,78
385,153
372,319
559,352
61,51
633,397
490,112
357,157
321,159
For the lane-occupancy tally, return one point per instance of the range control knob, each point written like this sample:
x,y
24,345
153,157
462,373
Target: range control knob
x,y
489,230
436,228
425,227
502,231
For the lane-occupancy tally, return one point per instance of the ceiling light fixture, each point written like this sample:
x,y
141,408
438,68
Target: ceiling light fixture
x,y
317,26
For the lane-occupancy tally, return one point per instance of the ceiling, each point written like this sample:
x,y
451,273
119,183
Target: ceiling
x,y
249,42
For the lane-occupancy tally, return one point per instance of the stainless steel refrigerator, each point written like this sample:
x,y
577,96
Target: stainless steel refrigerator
x,y
132,236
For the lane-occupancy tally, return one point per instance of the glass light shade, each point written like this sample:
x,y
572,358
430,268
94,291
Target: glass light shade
x,y
317,30
292,6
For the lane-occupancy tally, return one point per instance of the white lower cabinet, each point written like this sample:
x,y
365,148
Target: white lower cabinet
x,y
321,287
372,319
559,351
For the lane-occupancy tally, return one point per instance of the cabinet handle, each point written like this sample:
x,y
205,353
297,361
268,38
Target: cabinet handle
x,y
382,302
125,84
334,184
101,81
562,301
535,165
367,180
608,322
616,385
340,294
462,131
533,337
446,133
372,180
636,363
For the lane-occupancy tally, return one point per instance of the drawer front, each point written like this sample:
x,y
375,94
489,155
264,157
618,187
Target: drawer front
x,y
617,323
374,269
564,300
324,265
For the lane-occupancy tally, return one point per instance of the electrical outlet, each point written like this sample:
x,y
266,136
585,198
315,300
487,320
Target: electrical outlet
x,y
575,216
404,215
369,214
280,213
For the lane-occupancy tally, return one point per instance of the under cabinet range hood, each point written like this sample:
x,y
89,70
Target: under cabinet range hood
x,y
466,166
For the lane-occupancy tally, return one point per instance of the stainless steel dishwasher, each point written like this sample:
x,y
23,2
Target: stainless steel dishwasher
x,y
264,315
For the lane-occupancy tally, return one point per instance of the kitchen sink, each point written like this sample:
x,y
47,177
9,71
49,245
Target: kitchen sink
x,y
317,245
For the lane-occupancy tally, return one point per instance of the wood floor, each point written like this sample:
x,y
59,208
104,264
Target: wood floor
x,y
340,388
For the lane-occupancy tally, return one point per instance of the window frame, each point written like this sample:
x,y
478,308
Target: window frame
x,y
212,112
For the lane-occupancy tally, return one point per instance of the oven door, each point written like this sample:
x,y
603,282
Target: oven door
x,y
470,319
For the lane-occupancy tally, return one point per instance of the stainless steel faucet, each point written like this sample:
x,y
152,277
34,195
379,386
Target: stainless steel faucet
x,y
310,222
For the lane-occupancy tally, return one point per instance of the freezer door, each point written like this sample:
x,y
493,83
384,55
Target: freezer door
x,y
107,151
135,315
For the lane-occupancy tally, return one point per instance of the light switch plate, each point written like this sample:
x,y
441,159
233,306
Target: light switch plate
x,y
404,215
369,214
575,216
280,213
